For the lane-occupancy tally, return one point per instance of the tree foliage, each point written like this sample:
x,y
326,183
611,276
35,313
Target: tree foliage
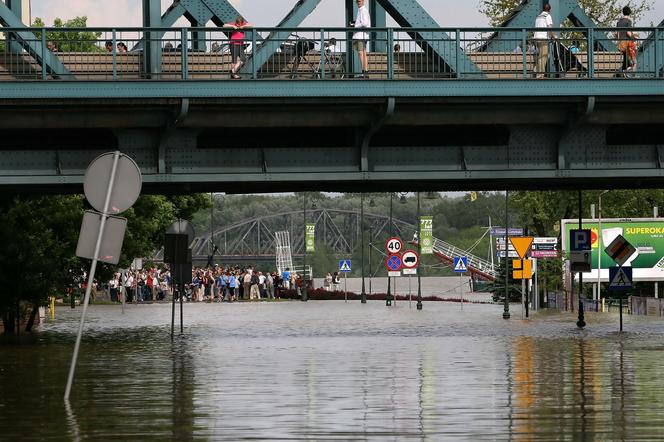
x,y
603,12
76,40
40,234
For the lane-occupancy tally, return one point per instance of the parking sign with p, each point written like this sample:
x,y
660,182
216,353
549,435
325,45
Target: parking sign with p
x,y
580,240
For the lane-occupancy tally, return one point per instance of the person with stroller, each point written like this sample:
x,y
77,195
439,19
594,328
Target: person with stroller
x,y
237,44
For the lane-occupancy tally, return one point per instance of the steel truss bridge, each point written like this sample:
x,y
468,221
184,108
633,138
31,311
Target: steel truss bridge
x,y
253,240
444,109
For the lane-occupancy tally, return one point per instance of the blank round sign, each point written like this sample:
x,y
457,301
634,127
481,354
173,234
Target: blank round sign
x,y
126,186
182,227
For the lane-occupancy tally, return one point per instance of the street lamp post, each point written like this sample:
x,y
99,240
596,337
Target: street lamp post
x,y
388,300
581,322
372,203
506,311
370,261
599,248
419,253
304,263
364,293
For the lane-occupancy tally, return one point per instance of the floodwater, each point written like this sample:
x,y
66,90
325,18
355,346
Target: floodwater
x,y
335,371
444,287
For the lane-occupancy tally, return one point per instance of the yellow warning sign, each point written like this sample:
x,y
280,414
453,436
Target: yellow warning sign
x,y
522,273
522,244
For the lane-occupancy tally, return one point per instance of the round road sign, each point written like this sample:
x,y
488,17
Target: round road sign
x,y
393,263
182,227
394,246
410,259
127,183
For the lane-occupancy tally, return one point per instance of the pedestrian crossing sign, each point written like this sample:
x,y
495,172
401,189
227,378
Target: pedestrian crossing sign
x,y
460,264
620,278
345,266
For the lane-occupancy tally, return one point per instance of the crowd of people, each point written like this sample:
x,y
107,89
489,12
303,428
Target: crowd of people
x,y
212,284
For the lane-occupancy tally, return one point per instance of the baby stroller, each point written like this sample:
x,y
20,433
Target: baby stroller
x,y
333,63
301,47
302,51
565,60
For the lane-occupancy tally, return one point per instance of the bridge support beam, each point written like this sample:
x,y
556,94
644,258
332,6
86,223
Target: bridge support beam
x,y
650,57
378,20
524,17
410,14
29,43
352,60
196,11
273,41
375,127
152,50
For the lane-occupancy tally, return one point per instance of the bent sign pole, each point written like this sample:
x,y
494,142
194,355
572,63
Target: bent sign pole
x,y
93,268
122,200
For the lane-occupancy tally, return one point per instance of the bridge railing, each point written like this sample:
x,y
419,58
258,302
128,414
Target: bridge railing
x,y
474,261
326,54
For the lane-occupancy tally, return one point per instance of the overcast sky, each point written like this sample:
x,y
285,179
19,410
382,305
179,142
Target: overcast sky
x,y
448,13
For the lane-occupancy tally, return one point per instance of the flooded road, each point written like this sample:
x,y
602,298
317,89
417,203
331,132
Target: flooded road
x,y
336,371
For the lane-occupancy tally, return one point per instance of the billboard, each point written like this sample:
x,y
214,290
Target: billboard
x,y
646,234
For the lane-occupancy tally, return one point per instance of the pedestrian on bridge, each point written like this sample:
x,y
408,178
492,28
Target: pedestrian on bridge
x,y
237,44
361,38
627,43
543,21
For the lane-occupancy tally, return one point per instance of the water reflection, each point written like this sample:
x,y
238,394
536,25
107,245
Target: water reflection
x,y
72,423
182,390
336,371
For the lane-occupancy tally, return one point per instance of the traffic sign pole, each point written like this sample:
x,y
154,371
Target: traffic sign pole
x,y
345,287
461,288
523,290
93,266
621,321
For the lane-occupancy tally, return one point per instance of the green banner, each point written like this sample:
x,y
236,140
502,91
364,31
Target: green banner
x,y
310,237
426,235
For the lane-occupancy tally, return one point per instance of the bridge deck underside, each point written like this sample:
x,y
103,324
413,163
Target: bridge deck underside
x,y
266,144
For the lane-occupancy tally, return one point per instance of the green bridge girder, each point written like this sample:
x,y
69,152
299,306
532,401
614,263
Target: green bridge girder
x,y
524,15
291,136
410,14
26,40
650,56
272,42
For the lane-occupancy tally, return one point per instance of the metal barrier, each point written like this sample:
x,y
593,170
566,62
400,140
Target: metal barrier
x,y
327,54
474,262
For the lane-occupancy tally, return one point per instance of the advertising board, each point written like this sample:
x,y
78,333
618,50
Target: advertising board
x,y
646,234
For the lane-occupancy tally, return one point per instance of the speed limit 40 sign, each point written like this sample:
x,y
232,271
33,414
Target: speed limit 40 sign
x,y
394,246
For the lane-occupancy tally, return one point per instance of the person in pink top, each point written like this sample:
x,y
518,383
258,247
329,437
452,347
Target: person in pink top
x,y
237,44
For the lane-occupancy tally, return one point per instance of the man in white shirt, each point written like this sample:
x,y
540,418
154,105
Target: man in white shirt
x,y
361,38
543,21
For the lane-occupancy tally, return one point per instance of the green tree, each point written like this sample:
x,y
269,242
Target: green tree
x,y
73,40
40,234
497,288
323,260
603,12
39,237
